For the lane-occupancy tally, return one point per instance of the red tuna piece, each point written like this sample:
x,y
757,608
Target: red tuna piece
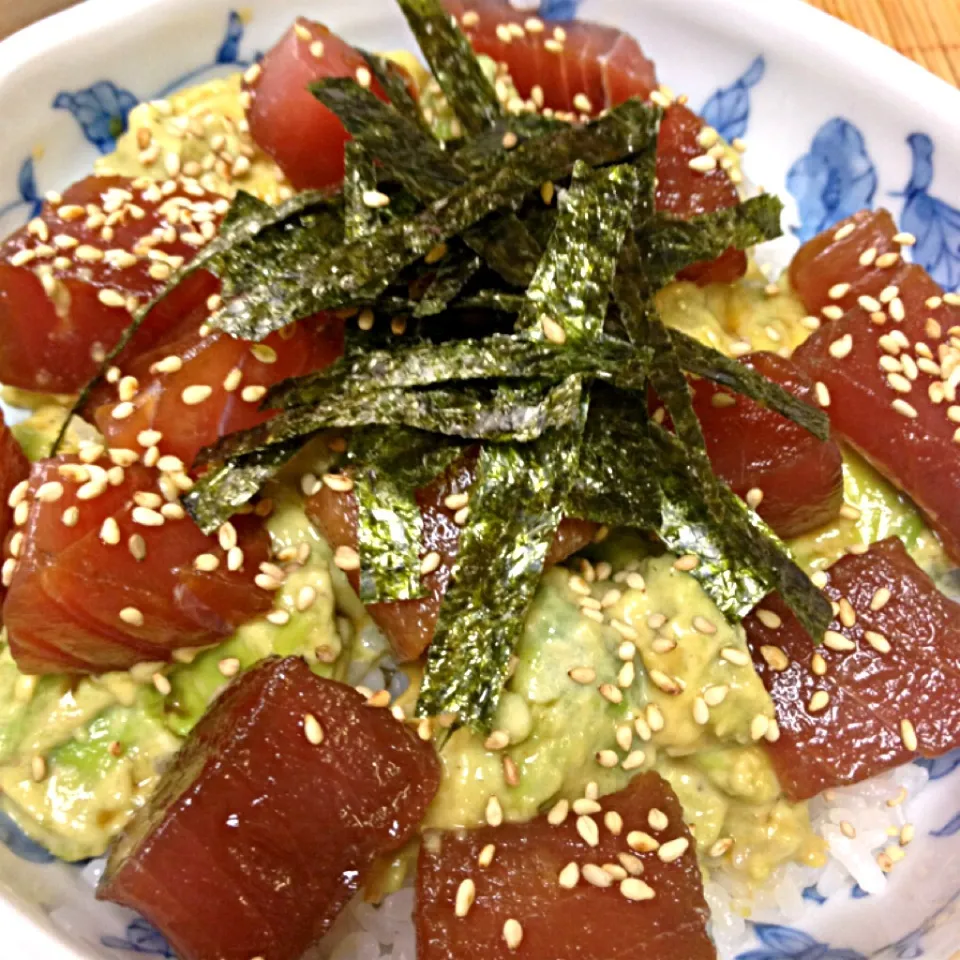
x,y
238,374
888,685
67,277
889,370
851,259
271,816
104,580
286,120
605,66
753,448
657,909
14,470
409,624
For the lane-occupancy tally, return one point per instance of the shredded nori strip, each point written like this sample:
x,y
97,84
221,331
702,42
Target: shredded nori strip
x,y
454,64
360,176
393,81
454,273
497,357
515,507
411,156
360,271
571,288
522,412
704,361
227,487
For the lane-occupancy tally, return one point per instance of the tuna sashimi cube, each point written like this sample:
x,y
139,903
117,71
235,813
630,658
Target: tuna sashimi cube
x,y
794,480
619,879
14,470
888,372
409,624
70,277
271,816
882,689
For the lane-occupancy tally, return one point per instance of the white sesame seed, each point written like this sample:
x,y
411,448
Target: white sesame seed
x,y
703,163
206,562
569,876
759,726
635,889
162,684
844,231
908,735
110,531
588,830
585,807
686,563
822,394
673,849
582,103
558,813
738,658
703,625
642,842
132,616
147,517
607,759
196,393
837,641
38,768
819,701
841,347
887,259
715,695
880,599
312,729
466,894
904,408
494,812
111,298
278,617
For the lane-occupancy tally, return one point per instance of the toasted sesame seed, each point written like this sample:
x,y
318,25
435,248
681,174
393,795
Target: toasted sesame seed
x,y
738,658
887,259
196,393
838,291
686,563
870,304
306,597
880,599
703,625
754,497
844,231
558,813
908,735
584,807
552,330
131,615
607,759
70,516
466,894
841,347
588,830
818,665
832,312
657,819
170,364
582,103
486,855
161,684
904,408
703,163
38,768
494,812
497,740
819,701
147,517
907,833
759,726
837,641
582,675
642,842
346,558
673,850
569,876
848,829
701,712
111,298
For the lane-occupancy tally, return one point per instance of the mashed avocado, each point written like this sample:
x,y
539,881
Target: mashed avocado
x,y
200,132
79,755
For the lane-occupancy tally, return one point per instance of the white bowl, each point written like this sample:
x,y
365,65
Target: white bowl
x,y
835,122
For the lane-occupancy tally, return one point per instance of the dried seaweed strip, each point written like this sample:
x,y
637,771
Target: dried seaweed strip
x,y
704,361
454,64
358,272
359,179
571,288
454,273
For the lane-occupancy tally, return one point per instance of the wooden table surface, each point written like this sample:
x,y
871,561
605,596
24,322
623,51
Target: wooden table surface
x,y
926,30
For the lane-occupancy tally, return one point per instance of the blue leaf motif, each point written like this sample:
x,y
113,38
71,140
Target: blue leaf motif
x,y
934,223
558,9
229,50
20,845
813,895
786,940
950,829
101,110
835,179
942,766
27,187
728,110
858,893
911,947
140,938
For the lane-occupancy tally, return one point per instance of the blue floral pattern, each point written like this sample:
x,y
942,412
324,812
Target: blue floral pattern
x,y
558,9
27,192
786,943
835,179
102,109
20,845
140,938
942,766
950,829
728,110
934,223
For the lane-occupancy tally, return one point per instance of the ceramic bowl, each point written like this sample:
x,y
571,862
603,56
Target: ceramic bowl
x,y
835,122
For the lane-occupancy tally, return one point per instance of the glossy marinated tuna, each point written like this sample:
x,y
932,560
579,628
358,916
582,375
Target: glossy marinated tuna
x,y
888,369
14,470
882,689
286,120
180,416
619,881
107,574
69,278
798,478
271,816
409,624
577,67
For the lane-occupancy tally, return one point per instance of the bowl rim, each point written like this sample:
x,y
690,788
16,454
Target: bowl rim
x,y
798,29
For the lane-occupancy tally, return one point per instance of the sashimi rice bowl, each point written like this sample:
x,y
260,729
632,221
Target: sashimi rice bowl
x,y
433,529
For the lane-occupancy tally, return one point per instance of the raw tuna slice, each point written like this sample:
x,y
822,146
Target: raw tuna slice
x,y
583,68
755,449
14,470
238,374
102,573
602,63
890,369
882,689
271,817
286,120
547,892
409,624
859,251
68,277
